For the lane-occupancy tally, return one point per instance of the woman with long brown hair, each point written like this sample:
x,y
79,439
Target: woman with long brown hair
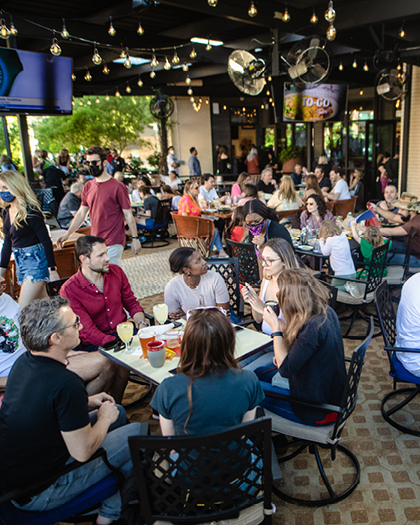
x,y
308,349
63,161
199,398
316,212
313,187
238,188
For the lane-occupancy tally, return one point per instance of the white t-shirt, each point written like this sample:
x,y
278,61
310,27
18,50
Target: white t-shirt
x,y
212,288
174,184
338,248
408,324
170,159
11,346
342,188
208,195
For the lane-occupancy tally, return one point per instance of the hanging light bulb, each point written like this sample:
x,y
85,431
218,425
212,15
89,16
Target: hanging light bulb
x,y
212,3
117,93
341,67
192,99
175,58
88,76
399,67
366,67
80,103
331,32
269,78
140,82
402,32
5,31
107,97
105,69
398,104
185,67
97,100
330,13
111,30
252,11
128,88
361,92
73,102
154,62
64,33
127,63
167,65
140,30
96,59
55,48
314,18
188,81
286,16
193,53
268,93
190,91
13,30
73,77
208,46
354,63
152,74
88,102
123,53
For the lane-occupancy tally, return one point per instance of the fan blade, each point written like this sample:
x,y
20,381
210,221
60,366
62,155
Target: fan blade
x,y
381,89
298,70
236,67
313,48
319,71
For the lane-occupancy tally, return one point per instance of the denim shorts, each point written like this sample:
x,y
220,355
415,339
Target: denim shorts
x,y
31,263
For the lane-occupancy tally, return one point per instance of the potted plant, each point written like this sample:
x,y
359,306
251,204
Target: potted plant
x,y
289,157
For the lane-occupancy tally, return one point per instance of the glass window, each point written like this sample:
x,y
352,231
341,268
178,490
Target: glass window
x,y
335,142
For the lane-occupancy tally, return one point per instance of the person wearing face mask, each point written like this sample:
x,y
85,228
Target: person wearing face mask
x,y
172,161
27,236
108,202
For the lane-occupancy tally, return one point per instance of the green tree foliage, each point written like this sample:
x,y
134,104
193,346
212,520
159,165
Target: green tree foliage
x,y
13,128
116,122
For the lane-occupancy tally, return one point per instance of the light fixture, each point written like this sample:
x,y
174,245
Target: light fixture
x,y
361,92
107,97
193,53
140,82
207,102
269,78
262,106
224,107
341,67
286,16
127,63
208,46
154,62
399,67
73,102
185,67
268,93
192,99
167,65
354,63
111,30
252,11
128,88
212,3
105,69
330,13
314,18
5,31
398,104
123,53
80,103
64,33
88,76
13,30
73,77
402,32
331,32
55,48
97,100
204,41
366,67
140,30
152,74
117,93
88,102
188,81
190,91
175,58
96,59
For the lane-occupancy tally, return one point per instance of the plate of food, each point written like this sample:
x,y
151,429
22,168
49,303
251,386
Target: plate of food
x,y
306,247
224,208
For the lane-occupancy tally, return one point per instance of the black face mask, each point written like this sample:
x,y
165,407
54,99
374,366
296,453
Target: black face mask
x,y
95,171
405,219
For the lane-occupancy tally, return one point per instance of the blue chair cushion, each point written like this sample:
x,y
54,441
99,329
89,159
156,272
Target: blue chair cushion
x,y
402,373
10,515
152,226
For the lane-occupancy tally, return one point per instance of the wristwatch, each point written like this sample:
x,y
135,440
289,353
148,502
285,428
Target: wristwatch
x,y
143,322
52,268
276,334
136,237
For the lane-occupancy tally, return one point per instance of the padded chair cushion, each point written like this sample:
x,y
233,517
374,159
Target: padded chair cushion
x,y
89,498
402,373
154,227
344,297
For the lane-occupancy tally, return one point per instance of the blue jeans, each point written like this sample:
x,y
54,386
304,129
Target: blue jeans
x,y
74,483
396,255
31,264
216,242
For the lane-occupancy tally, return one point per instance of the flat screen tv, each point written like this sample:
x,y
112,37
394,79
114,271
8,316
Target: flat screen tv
x,y
34,83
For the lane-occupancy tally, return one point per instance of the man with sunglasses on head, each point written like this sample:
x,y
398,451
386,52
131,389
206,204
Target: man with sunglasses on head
x,y
108,202
47,420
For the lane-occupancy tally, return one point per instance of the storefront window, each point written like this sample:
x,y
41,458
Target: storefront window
x,y
357,144
335,142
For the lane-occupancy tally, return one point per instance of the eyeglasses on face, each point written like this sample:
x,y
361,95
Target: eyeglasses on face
x,y
92,162
76,324
268,262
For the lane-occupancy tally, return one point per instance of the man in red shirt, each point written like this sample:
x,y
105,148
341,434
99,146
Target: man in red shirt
x,y
109,204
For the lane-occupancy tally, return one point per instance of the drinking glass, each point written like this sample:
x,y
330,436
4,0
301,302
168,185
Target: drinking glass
x,y
146,336
125,332
160,313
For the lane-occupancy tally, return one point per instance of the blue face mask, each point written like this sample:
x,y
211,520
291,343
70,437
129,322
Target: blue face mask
x,y
6,196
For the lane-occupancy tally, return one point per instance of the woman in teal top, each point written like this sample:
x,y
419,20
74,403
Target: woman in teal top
x,y
372,238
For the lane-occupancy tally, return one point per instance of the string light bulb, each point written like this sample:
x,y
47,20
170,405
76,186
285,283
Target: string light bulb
x,y
329,14
286,16
208,46
402,32
366,67
128,88
80,103
252,11
185,67
269,78
190,91
341,67
73,77
96,59
127,62
5,31
192,99
13,30
107,97
398,104
105,69
55,48
212,3
154,62
88,76
188,81
354,63
268,93
111,30
399,67
193,53
140,82
152,74
97,100
117,93
123,53
175,58
140,30
167,65
361,92
64,33
88,102
73,102
331,32
314,18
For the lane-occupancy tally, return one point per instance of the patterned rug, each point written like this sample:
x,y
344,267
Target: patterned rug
x,y
148,274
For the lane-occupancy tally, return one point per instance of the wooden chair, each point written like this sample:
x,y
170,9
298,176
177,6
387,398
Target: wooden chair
x,y
330,206
194,232
84,230
65,260
292,215
343,208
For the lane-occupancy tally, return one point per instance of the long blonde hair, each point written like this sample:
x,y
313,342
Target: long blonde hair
x,y
300,297
187,189
19,187
287,189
